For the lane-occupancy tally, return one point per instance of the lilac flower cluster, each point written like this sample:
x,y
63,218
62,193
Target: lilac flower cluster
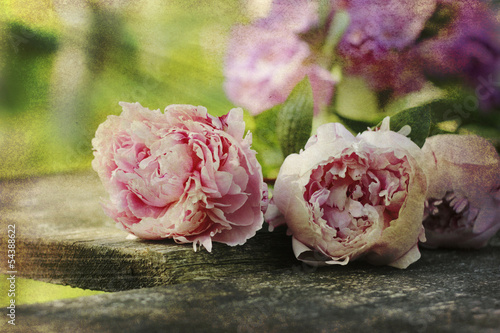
x,y
467,47
378,42
395,45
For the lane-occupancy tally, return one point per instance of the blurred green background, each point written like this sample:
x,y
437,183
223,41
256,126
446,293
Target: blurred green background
x,y
65,65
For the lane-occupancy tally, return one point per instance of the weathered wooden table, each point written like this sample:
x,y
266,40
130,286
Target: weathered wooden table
x,y
62,236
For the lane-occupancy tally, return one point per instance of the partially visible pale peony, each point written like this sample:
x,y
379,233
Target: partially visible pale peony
x,y
267,59
463,200
345,197
182,174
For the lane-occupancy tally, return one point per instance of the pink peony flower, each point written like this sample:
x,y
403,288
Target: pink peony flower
x,y
182,174
267,59
345,197
463,199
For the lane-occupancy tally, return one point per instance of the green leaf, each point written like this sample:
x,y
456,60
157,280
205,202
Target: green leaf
x,y
357,126
339,24
294,120
427,95
265,142
31,41
418,118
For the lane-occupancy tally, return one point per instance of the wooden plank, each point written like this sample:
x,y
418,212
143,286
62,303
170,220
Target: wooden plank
x,y
63,236
449,291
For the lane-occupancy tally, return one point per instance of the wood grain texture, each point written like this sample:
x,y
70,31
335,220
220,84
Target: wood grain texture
x,y
64,237
437,295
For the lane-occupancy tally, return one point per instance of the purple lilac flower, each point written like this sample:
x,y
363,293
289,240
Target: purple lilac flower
x,y
377,44
467,47
382,25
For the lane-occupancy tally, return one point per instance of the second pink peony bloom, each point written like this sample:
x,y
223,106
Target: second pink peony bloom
x,y
182,174
345,197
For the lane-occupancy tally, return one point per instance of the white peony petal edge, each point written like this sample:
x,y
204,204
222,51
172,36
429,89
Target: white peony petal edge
x,y
300,248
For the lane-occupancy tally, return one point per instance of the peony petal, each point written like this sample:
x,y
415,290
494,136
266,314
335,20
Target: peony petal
x,y
407,259
314,258
274,217
236,125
